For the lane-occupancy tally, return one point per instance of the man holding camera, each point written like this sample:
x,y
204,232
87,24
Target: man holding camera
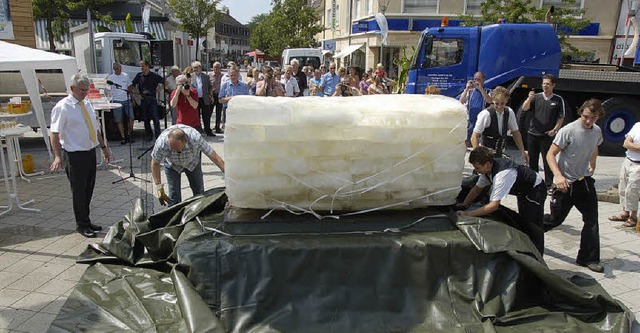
x,y
269,86
185,100
345,89
475,97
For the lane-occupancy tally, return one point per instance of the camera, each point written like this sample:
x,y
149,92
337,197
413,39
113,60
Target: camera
x,y
187,86
345,90
188,75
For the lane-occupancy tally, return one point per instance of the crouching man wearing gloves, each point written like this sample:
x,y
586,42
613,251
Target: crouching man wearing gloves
x,y
179,147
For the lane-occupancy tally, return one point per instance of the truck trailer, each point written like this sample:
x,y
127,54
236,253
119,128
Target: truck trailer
x,y
516,56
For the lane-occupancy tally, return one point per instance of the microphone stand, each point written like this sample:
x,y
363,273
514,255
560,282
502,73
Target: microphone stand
x,y
131,174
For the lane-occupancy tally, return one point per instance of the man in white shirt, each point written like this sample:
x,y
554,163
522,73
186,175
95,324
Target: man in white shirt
x,y
75,134
494,122
120,83
629,183
290,83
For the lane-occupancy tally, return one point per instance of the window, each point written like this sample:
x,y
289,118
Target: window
x,y
421,6
333,21
98,46
358,9
473,7
576,5
369,10
443,52
130,53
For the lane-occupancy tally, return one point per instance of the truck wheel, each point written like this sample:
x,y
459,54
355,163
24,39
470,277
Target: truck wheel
x,y
620,114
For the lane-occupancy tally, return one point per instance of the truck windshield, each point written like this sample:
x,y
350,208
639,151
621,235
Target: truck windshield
x,y
442,52
307,61
130,53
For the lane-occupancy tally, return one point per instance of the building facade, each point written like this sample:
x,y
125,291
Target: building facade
x,y
16,22
352,34
228,40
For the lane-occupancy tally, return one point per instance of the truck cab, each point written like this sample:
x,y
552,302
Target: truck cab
x,y
449,56
126,48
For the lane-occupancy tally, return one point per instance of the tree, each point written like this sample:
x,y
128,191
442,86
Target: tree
x,y
256,20
519,11
290,24
57,15
196,16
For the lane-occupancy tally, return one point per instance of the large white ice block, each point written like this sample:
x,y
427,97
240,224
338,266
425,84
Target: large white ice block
x,y
344,153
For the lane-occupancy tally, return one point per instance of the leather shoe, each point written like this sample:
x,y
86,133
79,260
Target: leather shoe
x,y
86,232
95,227
210,133
594,266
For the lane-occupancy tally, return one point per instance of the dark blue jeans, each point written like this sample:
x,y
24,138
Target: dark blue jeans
x,y
149,108
582,195
196,182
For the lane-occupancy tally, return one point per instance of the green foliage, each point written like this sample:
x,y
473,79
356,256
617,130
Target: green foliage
x,y
128,25
403,70
290,24
256,20
522,11
56,14
196,16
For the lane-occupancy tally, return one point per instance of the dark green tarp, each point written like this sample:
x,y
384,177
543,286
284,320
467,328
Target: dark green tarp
x,y
198,267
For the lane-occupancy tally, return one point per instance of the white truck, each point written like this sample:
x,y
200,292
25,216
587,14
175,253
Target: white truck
x,y
126,48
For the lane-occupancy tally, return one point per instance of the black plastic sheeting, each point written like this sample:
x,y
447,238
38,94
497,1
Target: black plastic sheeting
x,y
198,267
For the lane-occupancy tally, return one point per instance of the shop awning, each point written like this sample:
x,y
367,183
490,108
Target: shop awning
x,y
325,52
254,53
347,51
42,37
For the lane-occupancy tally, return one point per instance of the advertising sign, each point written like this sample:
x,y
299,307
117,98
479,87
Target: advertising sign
x,y
6,26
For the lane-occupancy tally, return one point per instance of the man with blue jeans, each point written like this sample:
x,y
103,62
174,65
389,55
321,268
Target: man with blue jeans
x,y
179,147
147,84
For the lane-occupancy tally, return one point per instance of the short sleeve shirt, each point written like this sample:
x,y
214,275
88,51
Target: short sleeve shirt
x,y
189,157
329,82
484,120
578,145
67,120
123,80
147,84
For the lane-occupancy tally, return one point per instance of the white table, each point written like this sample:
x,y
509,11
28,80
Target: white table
x,y
13,134
10,138
101,108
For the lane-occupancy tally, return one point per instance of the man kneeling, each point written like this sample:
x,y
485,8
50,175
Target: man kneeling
x,y
179,147
509,178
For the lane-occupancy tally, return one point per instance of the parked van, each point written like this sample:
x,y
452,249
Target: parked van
x,y
306,57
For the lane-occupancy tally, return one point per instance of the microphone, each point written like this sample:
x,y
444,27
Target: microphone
x,y
111,83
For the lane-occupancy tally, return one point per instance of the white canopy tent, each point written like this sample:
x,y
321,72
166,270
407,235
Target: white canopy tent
x,y
27,60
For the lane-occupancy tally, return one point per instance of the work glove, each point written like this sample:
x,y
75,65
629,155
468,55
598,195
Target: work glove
x,y
162,197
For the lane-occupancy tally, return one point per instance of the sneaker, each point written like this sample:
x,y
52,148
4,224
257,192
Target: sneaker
x,y
594,266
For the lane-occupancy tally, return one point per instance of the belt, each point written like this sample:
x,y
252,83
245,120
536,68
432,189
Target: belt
x,y
633,160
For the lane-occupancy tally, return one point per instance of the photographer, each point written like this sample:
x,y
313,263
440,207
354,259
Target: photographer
x,y
269,86
185,99
345,89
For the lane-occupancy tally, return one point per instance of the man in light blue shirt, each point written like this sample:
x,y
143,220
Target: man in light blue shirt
x,y
233,87
329,81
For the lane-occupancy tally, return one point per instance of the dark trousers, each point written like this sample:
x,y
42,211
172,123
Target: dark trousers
x,y
537,144
81,172
205,112
582,195
149,106
531,209
218,106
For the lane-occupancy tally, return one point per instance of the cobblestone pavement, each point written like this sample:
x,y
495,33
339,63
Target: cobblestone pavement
x,y
38,249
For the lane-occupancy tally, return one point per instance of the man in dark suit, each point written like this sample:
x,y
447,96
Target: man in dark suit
x,y
201,82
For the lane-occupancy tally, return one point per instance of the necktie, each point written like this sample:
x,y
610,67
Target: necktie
x,y
87,119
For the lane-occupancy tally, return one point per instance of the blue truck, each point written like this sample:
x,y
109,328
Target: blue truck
x,y
516,56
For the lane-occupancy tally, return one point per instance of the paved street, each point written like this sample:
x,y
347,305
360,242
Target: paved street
x,y
38,249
